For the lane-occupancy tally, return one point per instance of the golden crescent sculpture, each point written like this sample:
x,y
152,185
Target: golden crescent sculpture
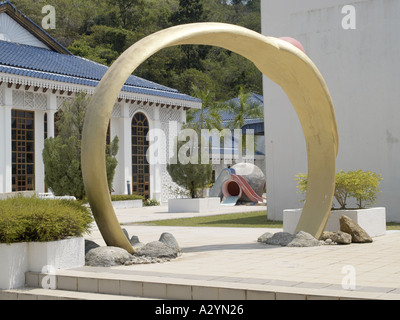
x,y
275,58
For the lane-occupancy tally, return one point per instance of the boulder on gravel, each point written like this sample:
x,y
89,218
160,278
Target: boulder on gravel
x,y
339,237
157,249
286,239
264,237
169,240
107,257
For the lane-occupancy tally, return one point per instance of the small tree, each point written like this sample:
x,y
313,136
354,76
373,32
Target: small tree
x,y
364,187
361,185
62,155
192,177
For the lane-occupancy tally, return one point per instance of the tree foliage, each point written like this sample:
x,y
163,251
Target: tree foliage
x,y
62,155
193,177
361,185
243,109
101,30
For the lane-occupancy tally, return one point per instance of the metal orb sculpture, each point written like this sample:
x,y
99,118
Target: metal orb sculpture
x,y
277,59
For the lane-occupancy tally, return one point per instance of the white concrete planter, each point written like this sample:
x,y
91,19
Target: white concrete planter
x,y
127,204
63,254
372,220
18,258
194,205
13,265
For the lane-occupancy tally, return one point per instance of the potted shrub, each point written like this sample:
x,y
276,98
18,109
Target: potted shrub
x,y
35,233
193,178
127,201
362,187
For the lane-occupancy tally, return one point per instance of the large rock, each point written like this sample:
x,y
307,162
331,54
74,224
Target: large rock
x,y
89,245
169,240
107,257
303,239
280,239
264,237
157,249
286,239
358,234
134,240
339,237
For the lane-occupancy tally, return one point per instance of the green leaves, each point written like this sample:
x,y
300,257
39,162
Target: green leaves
x,y
244,109
363,186
191,176
35,220
62,155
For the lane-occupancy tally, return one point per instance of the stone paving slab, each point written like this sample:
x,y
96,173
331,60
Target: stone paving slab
x,y
233,256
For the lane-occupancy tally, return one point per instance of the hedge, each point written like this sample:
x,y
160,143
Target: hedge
x,y
125,197
38,220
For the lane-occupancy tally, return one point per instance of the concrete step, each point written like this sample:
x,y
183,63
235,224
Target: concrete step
x,y
93,283
29,293
110,284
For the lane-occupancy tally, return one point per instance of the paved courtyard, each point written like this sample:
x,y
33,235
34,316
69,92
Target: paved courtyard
x,y
232,257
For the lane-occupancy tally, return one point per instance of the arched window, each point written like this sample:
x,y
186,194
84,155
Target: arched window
x,y
140,165
23,150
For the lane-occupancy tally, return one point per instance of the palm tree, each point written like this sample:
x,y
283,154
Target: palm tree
x,y
208,117
243,109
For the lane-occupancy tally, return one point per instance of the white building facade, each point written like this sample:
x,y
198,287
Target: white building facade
x,y
37,75
356,46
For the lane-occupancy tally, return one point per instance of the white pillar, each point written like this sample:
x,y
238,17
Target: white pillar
x,y
155,169
52,109
39,146
3,144
123,172
7,143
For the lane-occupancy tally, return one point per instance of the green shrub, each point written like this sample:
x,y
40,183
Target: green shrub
x,y
36,220
363,186
151,203
126,197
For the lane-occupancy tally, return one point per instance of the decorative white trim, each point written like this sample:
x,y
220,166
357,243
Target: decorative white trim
x,y
29,100
74,88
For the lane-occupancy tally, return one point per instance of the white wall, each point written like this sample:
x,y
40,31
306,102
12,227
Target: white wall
x,y
361,68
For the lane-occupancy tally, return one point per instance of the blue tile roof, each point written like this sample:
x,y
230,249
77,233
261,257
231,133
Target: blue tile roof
x,y
46,64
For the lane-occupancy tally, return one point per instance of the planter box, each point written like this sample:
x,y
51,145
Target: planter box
x,y
127,204
18,258
372,220
194,205
62,254
13,265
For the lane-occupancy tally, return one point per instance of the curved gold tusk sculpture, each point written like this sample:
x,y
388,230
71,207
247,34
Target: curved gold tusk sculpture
x,y
275,58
